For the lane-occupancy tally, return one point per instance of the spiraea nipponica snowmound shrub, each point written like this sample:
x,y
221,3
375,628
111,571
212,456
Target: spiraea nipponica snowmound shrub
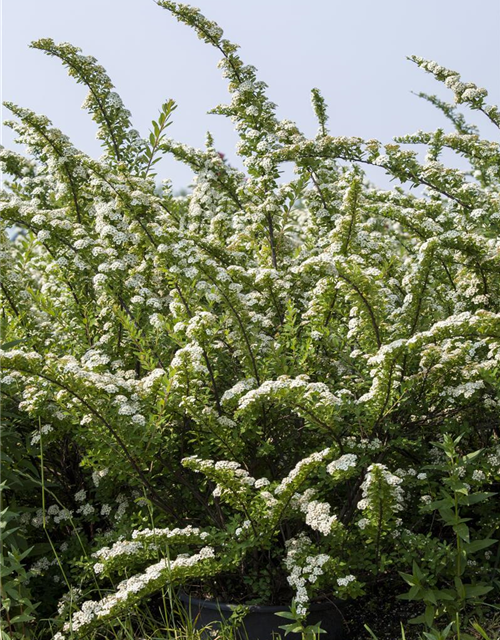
x,y
299,380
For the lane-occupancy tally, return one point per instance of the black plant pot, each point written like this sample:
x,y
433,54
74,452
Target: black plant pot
x,y
261,622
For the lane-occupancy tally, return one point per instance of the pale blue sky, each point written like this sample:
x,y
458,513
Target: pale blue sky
x,y
353,50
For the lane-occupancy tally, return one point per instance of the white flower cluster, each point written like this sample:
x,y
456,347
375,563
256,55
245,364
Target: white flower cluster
x,y
68,599
262,482
318,514
231,479
239,530
168,534
316,391
316,457
80,495
93,611
120,548
122,506
144,540
464,91
344,463
98,475
344,582
478,475
392,482
42,565
190,356
36,437
54,511
303,568
318,517
238,389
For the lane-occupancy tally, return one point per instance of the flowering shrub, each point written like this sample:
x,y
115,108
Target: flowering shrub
x,y
298,382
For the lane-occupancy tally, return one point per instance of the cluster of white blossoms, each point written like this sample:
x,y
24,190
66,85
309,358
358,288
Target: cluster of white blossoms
x,y
346,580
144,543
238,390
381,489
98,475
317,514
344,463
37,435
120,548
299,387
478,475
122,506
245,525
303,569
42,565
231,481
176,533
314,459
165,570
262,482
319,518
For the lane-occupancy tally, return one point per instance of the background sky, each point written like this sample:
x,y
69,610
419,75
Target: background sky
x,y
353,50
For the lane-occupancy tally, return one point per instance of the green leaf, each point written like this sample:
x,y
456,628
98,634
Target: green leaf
x,y
370,632
410,579
285,614
462,561
315,629
11,590
477,497
478,545
472,456
417,572
477,590
291,628
414,593
429,615
445,594
448,516
462,531
22,617
481,631
458,486
13,343
430,596
459,586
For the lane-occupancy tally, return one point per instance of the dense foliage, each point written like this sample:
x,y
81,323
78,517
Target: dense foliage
x,y
261,391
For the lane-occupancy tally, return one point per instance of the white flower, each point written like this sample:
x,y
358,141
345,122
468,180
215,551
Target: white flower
x,y
98,475
343,582
86,510
478,475
261,482
318,517
345,462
